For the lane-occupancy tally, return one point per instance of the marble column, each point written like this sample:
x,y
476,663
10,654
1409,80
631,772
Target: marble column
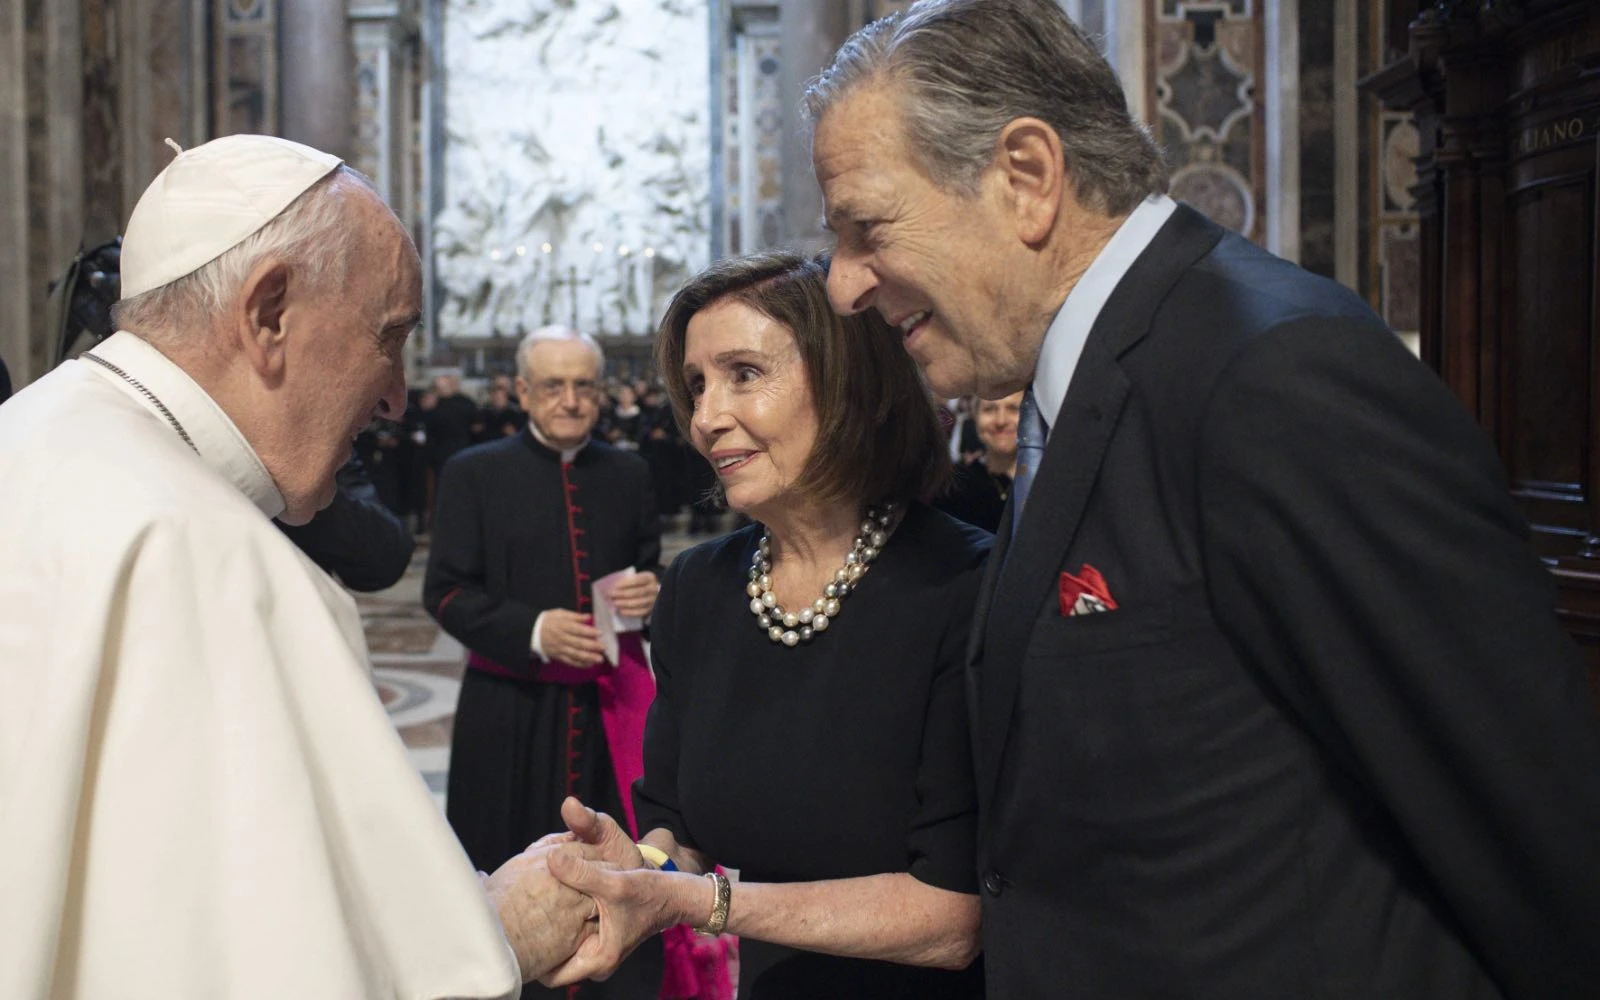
x,y
383,78
88,91
1126,24
104,211
811,33
317,80
381,82
751,98
162,69
1281,27
15,314
41,192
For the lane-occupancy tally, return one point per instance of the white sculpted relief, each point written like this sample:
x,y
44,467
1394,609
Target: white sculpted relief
x,y
576,163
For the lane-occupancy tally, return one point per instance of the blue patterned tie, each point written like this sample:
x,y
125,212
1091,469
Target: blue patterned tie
x,y
1030,452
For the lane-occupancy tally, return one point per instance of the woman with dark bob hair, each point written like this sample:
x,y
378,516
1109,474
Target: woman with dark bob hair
x,y
809,727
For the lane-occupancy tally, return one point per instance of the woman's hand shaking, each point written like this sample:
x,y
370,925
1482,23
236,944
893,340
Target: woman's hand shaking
x,y
633,902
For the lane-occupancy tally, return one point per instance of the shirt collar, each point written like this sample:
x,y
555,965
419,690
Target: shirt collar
x,y
1069,331
221,444
567,454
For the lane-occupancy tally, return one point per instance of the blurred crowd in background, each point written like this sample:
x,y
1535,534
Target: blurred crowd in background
x,y
404,457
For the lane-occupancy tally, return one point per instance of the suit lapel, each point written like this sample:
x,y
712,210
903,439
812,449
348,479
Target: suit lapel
x,y
1018,583
991,572
1026,575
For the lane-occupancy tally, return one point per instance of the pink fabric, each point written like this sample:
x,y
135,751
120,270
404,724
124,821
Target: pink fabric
x,y
625,695
695,966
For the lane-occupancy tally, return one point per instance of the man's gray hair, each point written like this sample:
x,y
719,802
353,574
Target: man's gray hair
x,y
556,332
965,69
311,233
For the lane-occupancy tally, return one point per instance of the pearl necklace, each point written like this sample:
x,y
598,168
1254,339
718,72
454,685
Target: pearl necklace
x,y
794,627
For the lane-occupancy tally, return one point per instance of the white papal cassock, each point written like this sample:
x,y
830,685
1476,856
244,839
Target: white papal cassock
x,y
200,794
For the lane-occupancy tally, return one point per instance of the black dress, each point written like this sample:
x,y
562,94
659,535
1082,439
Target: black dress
x,y
844,757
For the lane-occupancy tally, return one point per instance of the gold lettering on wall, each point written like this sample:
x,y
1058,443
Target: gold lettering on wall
x,y
1561,132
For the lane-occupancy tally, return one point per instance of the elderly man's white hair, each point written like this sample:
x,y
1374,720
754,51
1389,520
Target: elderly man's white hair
x,y
556,332
312,233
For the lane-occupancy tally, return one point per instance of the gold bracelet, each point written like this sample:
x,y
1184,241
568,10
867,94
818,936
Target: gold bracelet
x,y
719,905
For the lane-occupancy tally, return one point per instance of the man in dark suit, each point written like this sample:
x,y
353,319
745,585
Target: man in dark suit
x,y
1269,699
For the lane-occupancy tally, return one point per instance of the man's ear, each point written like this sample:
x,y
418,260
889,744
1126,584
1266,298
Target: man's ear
x,y
265,299
1033,169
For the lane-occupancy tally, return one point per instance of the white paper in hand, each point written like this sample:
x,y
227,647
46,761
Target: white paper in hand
x,y
606,618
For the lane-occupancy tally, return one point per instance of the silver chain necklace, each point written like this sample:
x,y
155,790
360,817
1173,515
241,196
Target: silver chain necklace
x,y
102,362
794,627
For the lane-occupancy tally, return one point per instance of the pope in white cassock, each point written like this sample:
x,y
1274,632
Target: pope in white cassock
x,y
200,794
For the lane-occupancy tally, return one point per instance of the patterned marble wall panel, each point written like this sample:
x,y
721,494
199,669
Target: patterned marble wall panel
x,y
371,129
576,163
763,157
1206,57
1390,256
245,50
384,143
753,131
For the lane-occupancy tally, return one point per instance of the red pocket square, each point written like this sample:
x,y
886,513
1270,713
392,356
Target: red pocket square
x,y
1085,593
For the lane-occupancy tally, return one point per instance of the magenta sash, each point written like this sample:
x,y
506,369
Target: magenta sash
x,y
626,691
695,966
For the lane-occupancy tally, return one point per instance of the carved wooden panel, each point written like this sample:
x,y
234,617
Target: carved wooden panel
x,y
1506,95
1545,428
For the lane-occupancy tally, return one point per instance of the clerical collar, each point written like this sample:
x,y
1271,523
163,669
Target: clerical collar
x,y
212,434
567,454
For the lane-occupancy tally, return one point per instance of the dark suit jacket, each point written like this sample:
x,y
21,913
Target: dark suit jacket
x,y
356,538
1332,742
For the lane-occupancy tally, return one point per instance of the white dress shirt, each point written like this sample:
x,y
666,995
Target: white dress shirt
x,y
1069,331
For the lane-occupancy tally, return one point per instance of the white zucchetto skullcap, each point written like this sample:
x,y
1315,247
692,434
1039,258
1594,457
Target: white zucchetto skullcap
x,y
209,200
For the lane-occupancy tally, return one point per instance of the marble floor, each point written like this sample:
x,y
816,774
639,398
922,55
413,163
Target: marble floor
x,y
417,668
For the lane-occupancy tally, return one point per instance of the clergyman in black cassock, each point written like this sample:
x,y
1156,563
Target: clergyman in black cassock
x,y
522,528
